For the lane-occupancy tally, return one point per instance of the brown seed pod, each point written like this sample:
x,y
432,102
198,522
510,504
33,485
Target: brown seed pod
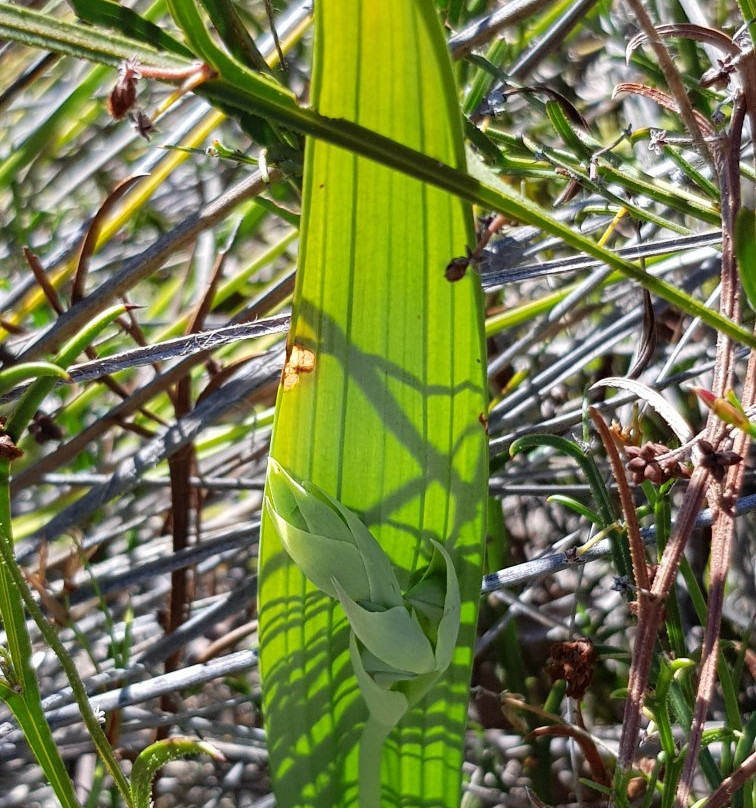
x,y
123,96
8,448
653,462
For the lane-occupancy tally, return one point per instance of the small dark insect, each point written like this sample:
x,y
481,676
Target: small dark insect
x,y
456,268
621,584
44,429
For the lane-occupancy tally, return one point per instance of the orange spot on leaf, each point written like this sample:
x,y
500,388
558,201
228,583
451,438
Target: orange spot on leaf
x,y
301,360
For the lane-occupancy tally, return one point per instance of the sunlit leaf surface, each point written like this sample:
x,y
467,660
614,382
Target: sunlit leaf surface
x,y
380,405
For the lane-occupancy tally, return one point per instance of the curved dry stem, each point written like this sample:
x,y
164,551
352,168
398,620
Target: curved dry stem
x,y
672,76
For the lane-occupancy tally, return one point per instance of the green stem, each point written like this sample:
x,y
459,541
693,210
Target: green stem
x,y
372,739
15,592
33,397
606,510
20,648
28,370
489,191
22,694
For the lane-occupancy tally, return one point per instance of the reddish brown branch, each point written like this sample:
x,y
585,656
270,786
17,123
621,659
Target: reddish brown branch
x,y
651,618
723,528
44,282
726,162
724,791
637,549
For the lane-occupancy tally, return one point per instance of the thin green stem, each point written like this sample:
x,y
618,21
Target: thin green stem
x,y
372,739
33,397
14,586
20,689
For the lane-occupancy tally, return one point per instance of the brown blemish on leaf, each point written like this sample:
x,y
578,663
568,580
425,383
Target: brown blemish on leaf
x,y
300,360
483,418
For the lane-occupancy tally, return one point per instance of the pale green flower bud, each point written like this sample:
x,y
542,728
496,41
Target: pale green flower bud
x,y
399,645
328,542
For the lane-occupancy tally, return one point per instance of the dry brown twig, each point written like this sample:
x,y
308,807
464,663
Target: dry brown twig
x,y
722,795
672,77
724,155
721,499
721,544
637,549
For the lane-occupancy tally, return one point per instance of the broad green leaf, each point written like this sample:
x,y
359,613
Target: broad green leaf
x,y
385,421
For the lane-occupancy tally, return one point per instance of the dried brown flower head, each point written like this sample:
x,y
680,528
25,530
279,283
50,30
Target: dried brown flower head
x,y
717,462
574,662
621,435
653,462
8,448
719,76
